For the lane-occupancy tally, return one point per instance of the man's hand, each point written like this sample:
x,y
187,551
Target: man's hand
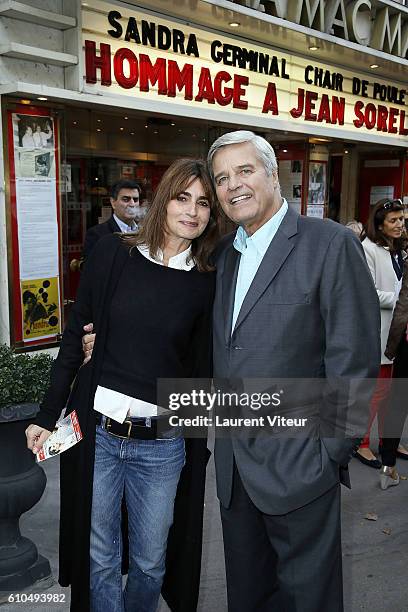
x,y
36,436
88,341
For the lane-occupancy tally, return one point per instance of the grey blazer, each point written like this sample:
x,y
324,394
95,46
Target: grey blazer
x,y
312,312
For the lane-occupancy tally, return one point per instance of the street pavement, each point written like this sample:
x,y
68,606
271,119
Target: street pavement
x,y
375,552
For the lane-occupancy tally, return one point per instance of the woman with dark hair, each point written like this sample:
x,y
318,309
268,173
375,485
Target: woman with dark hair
x,y
383,241
158,287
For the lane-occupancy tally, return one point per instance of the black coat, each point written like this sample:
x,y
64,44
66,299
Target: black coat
x,y
181,583
399,318
97,232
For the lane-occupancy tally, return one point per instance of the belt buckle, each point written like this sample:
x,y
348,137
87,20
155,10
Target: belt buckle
x,y
127,421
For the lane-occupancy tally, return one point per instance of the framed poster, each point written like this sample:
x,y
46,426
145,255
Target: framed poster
x,y
35,226
317,186
317,182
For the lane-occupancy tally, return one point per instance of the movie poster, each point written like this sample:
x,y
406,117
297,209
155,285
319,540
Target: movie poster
x,y
40,308
317,183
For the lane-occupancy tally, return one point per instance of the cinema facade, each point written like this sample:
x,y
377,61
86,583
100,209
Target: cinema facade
x,y
94,91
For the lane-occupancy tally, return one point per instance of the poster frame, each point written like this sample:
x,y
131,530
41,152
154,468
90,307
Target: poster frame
x,y
325,166
15,309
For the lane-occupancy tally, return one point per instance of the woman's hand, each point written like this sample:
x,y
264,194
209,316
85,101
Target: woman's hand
x,y
88,341
36,436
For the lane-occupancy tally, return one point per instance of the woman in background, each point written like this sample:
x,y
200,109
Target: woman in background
x,y
382,243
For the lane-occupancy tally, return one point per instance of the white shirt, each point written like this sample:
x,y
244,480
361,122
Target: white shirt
x,y
117,405
182,261
124,227
37,140
28,141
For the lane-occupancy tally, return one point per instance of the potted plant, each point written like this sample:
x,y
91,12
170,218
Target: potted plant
x,y
23,380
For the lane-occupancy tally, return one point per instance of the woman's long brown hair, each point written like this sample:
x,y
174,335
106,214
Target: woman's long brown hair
x,y
175,180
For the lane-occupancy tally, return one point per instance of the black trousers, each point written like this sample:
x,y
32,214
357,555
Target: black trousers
x,y
397,407
285,563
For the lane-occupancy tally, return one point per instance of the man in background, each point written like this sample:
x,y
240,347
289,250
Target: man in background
x,y
125,196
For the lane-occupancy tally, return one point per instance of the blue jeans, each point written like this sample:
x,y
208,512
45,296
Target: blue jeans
x,y
147,473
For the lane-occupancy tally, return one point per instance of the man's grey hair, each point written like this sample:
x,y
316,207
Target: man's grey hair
x,y
264,151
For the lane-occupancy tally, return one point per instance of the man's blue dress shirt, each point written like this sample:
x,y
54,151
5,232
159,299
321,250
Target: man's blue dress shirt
x,y
253,249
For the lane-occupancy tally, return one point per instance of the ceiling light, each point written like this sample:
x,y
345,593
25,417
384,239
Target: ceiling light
x,y
146,126
121,129
155,132
374,66
346,151
132,133
173,124
126,117
234,24
75,122
285,150
98,129
42,98
99,120
25,101
314,48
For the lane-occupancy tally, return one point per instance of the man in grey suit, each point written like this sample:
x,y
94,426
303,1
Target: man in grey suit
x,y
294,299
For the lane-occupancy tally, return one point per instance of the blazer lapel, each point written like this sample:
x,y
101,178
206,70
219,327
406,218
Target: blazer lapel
x,y
114,227
278,251
228,282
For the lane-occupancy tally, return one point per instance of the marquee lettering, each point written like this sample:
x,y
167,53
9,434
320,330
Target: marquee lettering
x,y
131,70
358,20
168,77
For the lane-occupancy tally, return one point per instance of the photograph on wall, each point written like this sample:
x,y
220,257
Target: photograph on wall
x,y
66,178
33,132
290,179
33,164
296,192
40,308
296,166
317,183
33,146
